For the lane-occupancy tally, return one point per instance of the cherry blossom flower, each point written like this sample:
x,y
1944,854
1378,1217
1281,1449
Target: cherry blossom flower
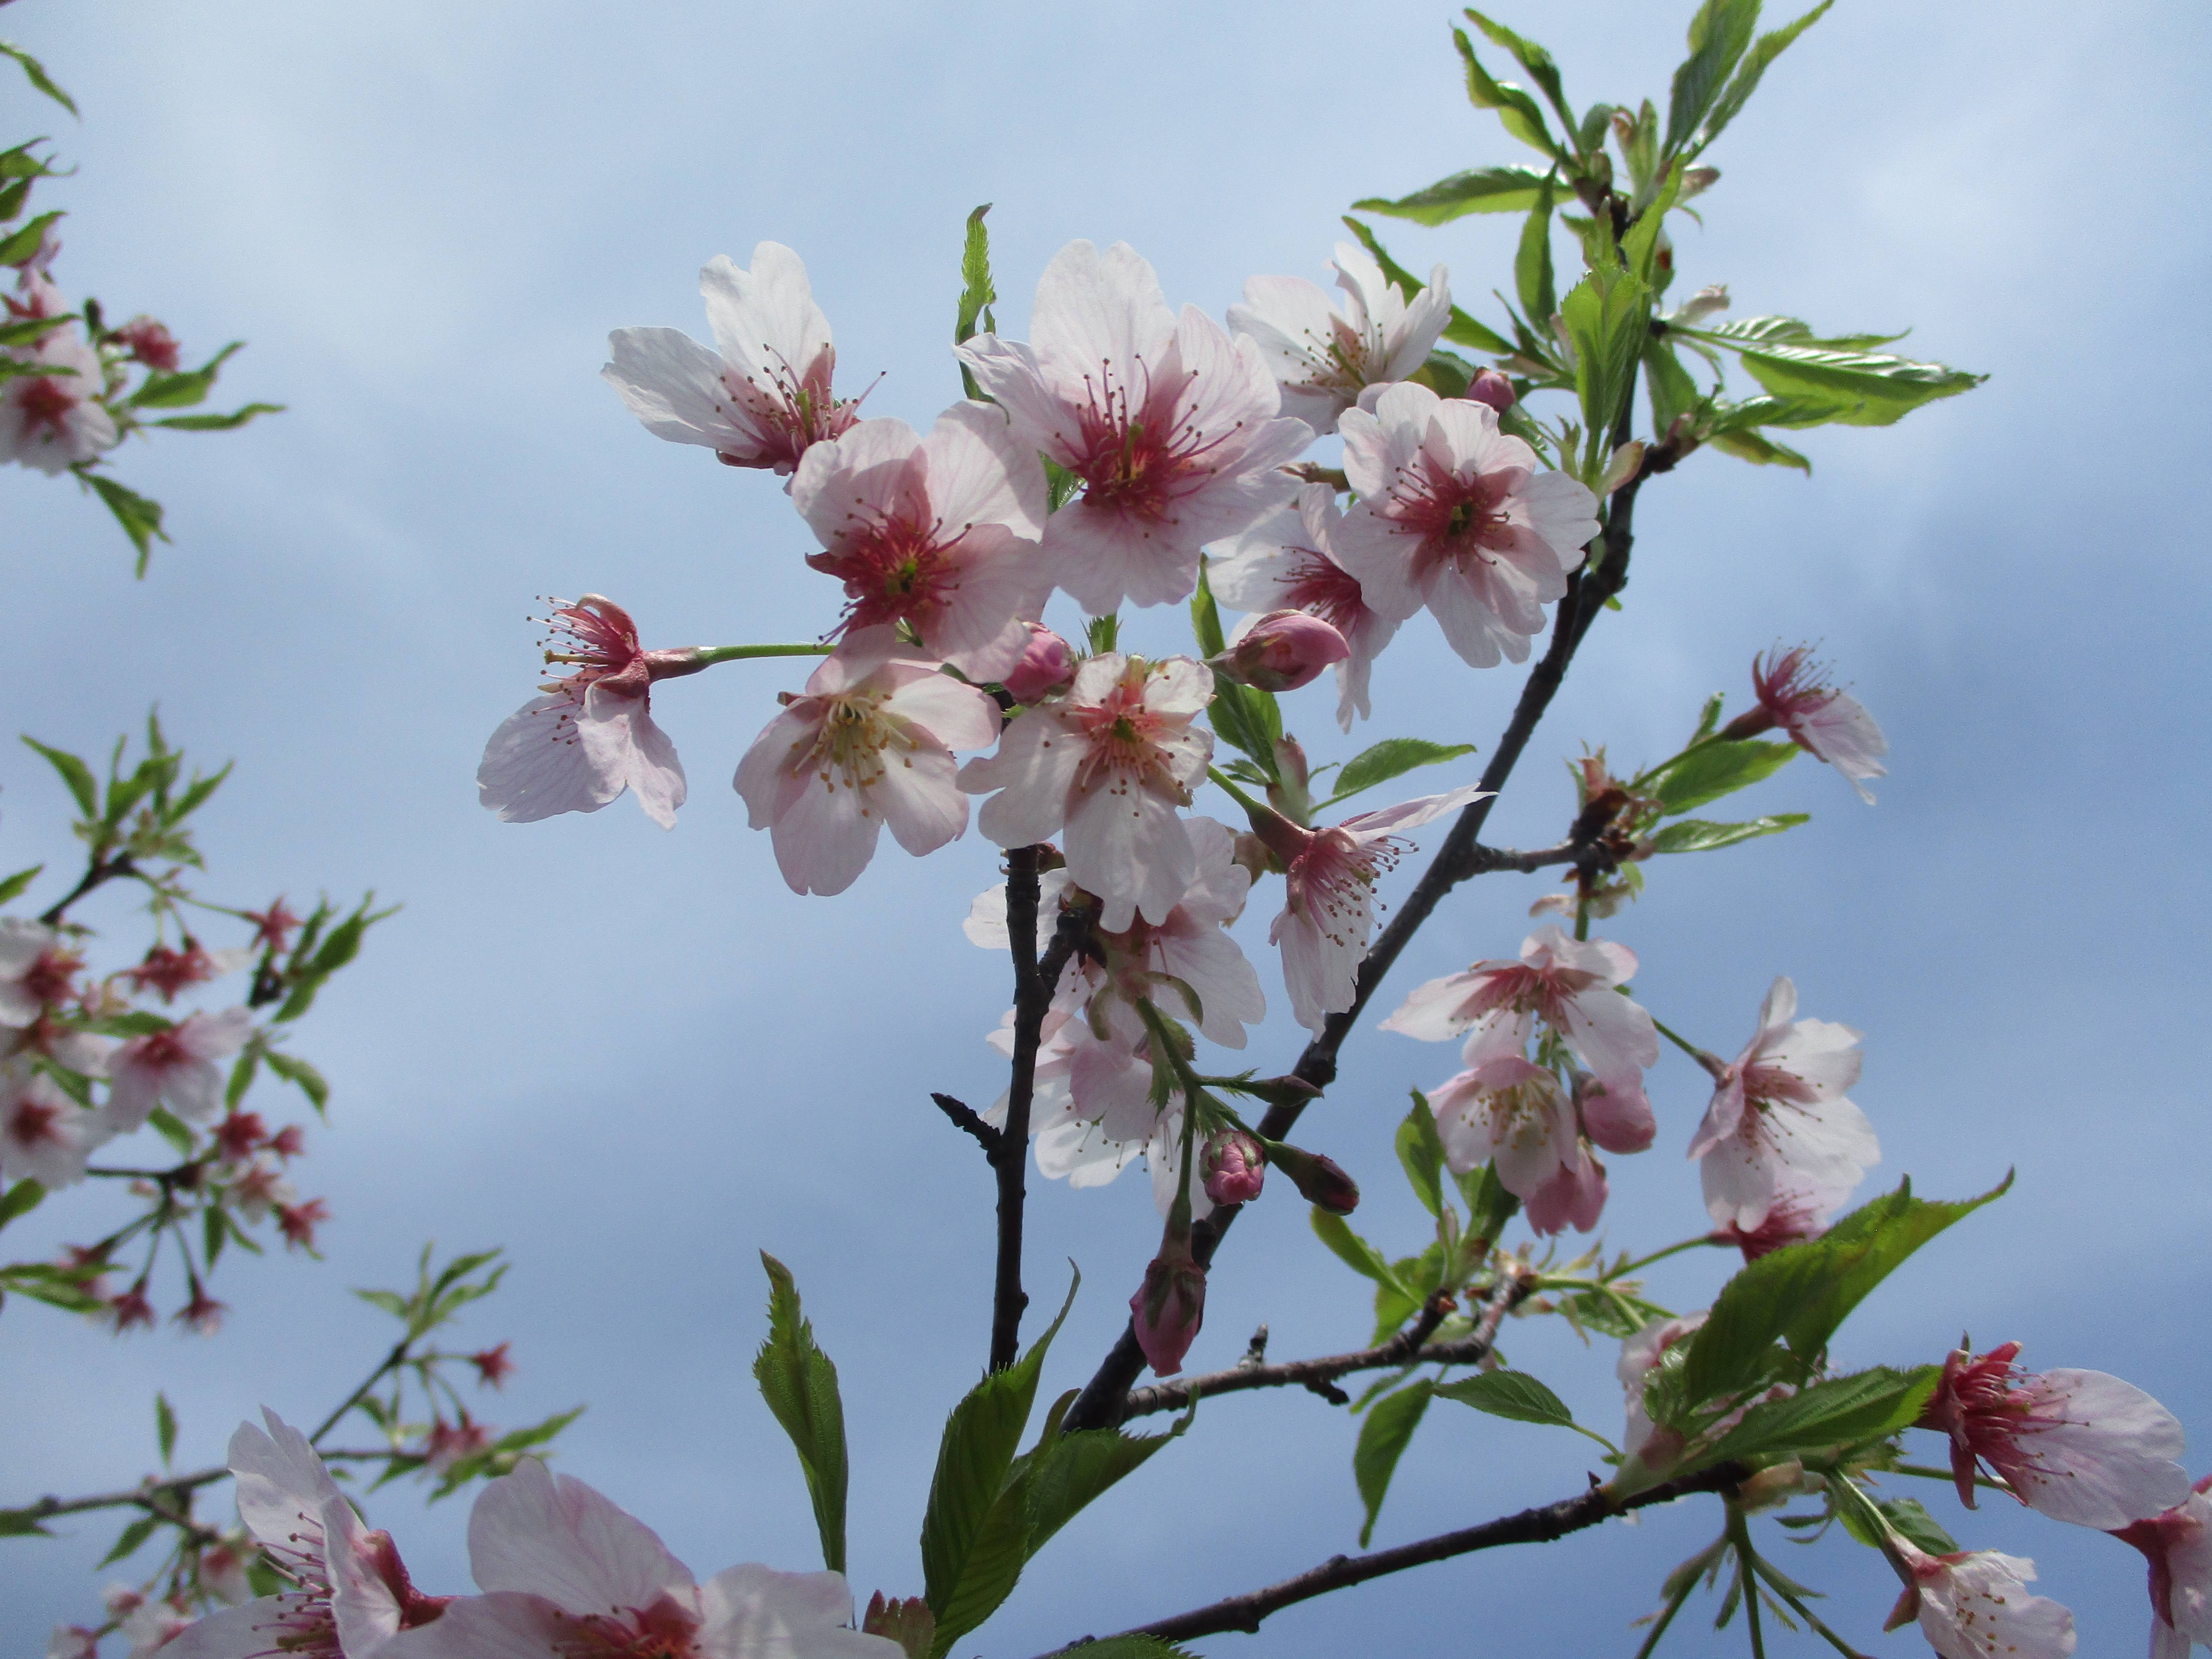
x,y
222,1572
53,422
765,396
259,1188
1514,1113
1570,985
44,1134
167,971
1799,1211
131,1308
869,744
1111,761
2178,1544
73,1642
1454,515
150,343
36,970
938,531
175,1068
1639,1355
1173,428
448,1444
1975,1604
566,1573
2078,1446
85,1053
351,1593
1324,358
1328,906
203,1315
239,1135
272,928
153,1625
493,1366
1289,559
1778,1119
298,1222
1794,694
592,735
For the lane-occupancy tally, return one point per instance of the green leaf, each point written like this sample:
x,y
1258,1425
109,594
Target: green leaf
x,y
172,1129
1071,1471
1727,419
1461,330
1514,1395
187,388
1799,1294
237,417
1489,1206
22,1523
1718,35
1421,1155
1721,769
133,1536
1911,1518
1673,391
1480,190
1640,249
975,1531
141,517
1607,316
977,294
1612,1312
241,1076
1534,60
1877,387
21,1199
1355,1252
1516,111
1870,1404
164,1427
36,72
1697,835
139,1022
216,1223
1206,618
1768,48
18,245
1532,261
391,1301
1249,719
30,329
800,1386
1760,452
76,773
297,1072
1390,758
1383,1437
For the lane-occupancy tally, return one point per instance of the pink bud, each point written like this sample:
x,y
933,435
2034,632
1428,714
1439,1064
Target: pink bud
x,y
1283,651
1490,387
1047,663
1318,1179
150,343
1170,1305
1233,1166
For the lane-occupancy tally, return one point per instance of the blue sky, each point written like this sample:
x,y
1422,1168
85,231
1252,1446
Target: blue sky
x,y
636,1059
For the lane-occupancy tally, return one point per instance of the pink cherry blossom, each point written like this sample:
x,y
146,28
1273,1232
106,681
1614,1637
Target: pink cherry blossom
x,y
150,343
44,1134
1507,1110
1800,1210
1111,762
938,531
54,422
1173,428
1454,515
73,1642
175,1068
869,744
1324,358
1778,1119
1570,986
259,1188
36,969
592,735
765,396
1327,919
566,1573
1975,1605
2178,1544
1794,694
1288,559
2078,1446
153,1625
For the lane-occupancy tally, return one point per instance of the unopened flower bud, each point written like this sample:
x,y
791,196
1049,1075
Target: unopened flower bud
x,y
1170,1306
1282,651
1318,1179
1048,664
1492,388
1291,795
1233,1167
1695,181
1771,1488
907,1621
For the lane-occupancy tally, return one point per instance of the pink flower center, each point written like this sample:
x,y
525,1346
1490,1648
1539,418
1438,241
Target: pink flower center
x,y
170,971
45,403
792,411
1318,585
601,641
1332,883
163,1051
1459,520
1124,734
31,1124
49,978
894,571
663,1631
1139,456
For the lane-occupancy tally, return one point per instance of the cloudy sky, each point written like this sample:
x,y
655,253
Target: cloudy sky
x,y
636,1058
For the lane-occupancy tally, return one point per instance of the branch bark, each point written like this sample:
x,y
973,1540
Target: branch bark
x,y
1009,1157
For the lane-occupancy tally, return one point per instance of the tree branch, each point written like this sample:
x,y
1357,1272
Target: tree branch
x,y
1009,1158
1536,1526
98,874
966,1116
1461,856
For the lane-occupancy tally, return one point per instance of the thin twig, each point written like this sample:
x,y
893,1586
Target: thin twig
x,y
97,874
1537,1526
966,1117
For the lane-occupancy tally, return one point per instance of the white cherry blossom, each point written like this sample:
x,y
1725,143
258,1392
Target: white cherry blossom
x,y
1323,357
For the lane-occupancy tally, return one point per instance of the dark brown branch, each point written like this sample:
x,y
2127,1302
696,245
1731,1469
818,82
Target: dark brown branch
x,y
1536,1526
1009,1158
98,874
144,1498
966,1117
1461,856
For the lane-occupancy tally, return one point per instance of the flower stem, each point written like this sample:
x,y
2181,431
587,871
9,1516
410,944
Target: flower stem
x,y
1746,1558
1252,807
1679,1041
1659,1255
708,654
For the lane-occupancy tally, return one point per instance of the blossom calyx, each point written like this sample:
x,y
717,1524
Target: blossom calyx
x,y
1233,1165
1170,1306
1319,1180
1282,651
905,1620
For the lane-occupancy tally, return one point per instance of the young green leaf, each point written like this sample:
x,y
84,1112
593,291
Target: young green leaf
x,y
76,773
1249,719
1697,835
1722,769
298,1073
35,72
1516,111
1607,316
977,294
21,1199
133,1536
1877,387
164,1427
141,518
172,1129
1768,48
1355,1252
14,887
1071,1471
800,1386
1421,1155
1532,261
1390,758
236,418
1761,450
1534,60
1383,1437
184,388
1718,35
19,247
1870,1404
1206,618
1514,189
1514,1395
